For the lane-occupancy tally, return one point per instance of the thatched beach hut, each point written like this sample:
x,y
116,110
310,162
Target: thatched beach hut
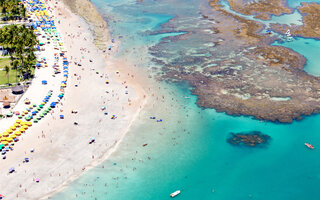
x,y
17,89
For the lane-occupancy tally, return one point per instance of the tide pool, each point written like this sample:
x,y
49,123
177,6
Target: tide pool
x,y
188,150
294,17
310,48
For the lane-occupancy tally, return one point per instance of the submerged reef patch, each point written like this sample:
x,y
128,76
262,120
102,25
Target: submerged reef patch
x,y
249,139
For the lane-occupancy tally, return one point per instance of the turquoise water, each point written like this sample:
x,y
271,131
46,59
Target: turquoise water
x,y
295,3
188,150
310,48
294,17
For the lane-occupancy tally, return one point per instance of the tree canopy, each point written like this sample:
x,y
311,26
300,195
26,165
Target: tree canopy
x,y
20,43
12,9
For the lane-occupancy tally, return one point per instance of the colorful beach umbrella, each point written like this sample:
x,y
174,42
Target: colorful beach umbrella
x,y
5,134
13,136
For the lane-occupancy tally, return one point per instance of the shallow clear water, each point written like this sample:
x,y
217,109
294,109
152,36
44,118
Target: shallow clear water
x,y
294,17
188,150
310,48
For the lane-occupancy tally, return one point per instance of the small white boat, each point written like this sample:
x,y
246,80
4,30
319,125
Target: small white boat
x,y
288,32
175,193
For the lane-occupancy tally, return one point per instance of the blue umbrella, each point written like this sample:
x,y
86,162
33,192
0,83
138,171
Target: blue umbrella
x,y
11,170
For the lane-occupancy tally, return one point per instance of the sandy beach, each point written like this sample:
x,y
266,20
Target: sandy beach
x,y
61,149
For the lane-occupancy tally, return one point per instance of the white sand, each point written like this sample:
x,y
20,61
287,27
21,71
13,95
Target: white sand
x,y
65,151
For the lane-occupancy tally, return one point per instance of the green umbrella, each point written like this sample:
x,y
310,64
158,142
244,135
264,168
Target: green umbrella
x,y
28,118
35,121
41,115
34,105
20,116
38,117
40,106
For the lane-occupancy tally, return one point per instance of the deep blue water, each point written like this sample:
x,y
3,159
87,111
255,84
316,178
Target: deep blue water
x,y
188,150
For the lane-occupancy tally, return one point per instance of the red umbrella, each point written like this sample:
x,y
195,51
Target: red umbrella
x,y
17,113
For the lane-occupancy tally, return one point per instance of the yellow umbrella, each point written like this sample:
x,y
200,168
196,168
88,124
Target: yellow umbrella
x,y
17,133
13,136
30,106
25,127
9,130
25,112
23,123
22,130
29,123
13,127
9,139
63,85
4,142
5,134
3,139
16,125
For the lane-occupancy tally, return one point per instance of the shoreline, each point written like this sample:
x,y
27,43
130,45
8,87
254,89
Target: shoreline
x,y
131,108
99,27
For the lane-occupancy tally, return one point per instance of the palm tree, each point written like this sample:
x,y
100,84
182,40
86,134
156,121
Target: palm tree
x,y
7,69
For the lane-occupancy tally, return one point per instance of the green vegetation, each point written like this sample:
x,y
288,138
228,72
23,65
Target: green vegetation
x,y
20,43
12,9
7,74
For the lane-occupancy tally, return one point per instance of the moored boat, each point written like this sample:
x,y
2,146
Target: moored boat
x,y
309,145
175,193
